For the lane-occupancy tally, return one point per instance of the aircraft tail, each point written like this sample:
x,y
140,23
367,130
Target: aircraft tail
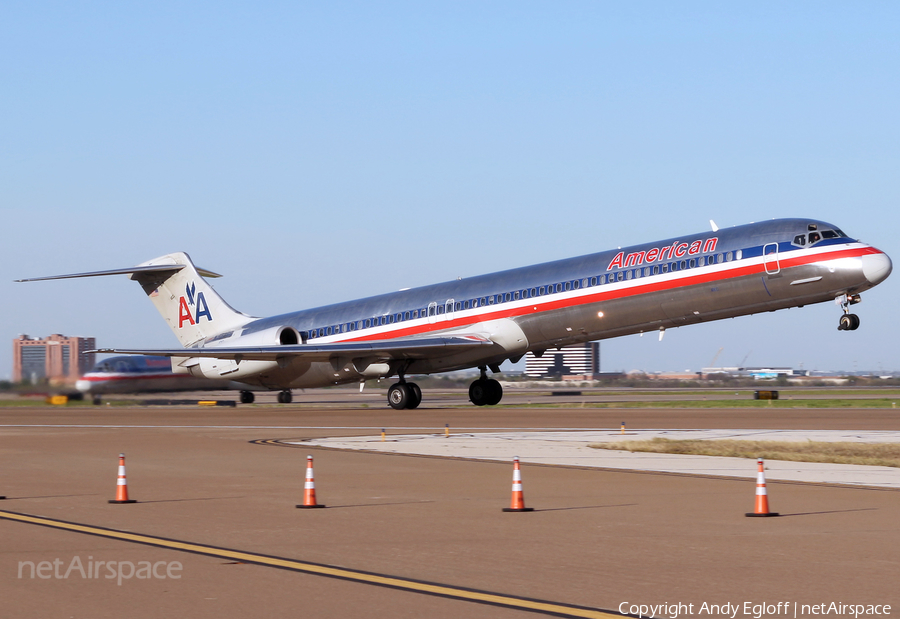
x,y
191,307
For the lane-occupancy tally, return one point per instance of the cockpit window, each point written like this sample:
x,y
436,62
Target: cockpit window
x,y
800,240
814,238
830,234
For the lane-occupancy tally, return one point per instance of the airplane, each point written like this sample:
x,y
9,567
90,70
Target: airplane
x,y
480,322
144,374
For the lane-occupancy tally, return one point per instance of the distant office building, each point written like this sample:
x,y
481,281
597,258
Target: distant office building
x,y
57,358
582,360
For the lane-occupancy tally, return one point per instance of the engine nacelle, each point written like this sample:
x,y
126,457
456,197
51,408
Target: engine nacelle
x,y
209,367
273,336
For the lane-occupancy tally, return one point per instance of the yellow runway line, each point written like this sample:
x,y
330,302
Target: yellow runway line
x,y
394,582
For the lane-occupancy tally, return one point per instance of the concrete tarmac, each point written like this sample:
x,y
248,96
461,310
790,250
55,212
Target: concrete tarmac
x,y
596,539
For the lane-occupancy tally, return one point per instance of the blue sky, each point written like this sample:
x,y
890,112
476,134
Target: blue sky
x,y
315,153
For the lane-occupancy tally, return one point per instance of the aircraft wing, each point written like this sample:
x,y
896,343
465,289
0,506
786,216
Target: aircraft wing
x,y
404,348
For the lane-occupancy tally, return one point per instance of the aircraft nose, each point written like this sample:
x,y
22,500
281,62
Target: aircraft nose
x,y
876,267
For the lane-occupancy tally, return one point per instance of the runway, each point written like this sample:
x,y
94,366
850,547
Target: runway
x,y
598,538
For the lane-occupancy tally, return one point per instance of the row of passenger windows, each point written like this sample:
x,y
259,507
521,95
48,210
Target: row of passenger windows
x,y
451,305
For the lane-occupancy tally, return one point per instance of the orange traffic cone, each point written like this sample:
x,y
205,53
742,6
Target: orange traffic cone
x,y
518,497
762,497
122,484
309,489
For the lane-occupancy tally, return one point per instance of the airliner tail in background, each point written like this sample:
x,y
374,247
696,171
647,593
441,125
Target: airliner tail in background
x,y
486,320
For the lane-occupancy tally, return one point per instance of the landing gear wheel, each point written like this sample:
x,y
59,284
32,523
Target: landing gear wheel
x,y
415,395
399,396
494,392
478,392
285,397
848,322
97,401
247,397
485,392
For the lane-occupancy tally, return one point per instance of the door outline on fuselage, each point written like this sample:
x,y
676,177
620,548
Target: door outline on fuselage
x,y
770,255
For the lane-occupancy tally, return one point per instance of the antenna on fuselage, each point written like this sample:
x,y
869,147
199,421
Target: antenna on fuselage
x,y
714,226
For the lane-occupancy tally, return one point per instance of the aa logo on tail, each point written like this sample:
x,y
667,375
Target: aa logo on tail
x,y
189,301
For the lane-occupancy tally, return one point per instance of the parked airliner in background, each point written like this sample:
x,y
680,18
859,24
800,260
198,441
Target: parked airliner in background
x,y
483,321
144,374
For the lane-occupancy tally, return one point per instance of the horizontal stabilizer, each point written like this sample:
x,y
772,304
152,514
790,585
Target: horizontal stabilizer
x,y
412,348
139,270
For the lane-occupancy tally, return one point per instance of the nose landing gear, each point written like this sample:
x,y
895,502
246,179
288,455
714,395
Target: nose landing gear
x,y
848,322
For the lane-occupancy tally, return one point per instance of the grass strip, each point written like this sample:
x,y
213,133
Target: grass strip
x,y
871,454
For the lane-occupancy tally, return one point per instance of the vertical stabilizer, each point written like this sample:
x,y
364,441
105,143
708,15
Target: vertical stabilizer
x,y
191,307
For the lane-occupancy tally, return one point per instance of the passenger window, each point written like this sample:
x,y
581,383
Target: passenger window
x,y
568,286
458,306
593,281
491,300
516,295
482,302
508,297
693,263
542,291
739,254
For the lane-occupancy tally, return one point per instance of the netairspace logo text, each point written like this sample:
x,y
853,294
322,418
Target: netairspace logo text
x,y
95,570
753,609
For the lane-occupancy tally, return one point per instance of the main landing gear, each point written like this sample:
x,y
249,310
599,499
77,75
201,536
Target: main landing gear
x,y
404,395
485,391
247,397
285,397
848,322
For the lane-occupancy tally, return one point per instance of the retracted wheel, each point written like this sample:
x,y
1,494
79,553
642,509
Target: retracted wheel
x,y
399,396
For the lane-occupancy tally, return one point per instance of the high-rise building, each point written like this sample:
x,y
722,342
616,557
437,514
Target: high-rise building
x,y
57,358
577,360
